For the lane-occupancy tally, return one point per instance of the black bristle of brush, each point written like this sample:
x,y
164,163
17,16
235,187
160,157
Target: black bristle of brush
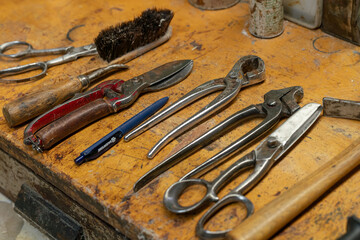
x,y
118,40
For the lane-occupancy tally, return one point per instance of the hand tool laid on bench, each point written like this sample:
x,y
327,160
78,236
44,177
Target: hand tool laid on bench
x,y
140,35
107,97
247,71
70,54
277,104
276,214
112,138
262,158
119,44
34,104
341,108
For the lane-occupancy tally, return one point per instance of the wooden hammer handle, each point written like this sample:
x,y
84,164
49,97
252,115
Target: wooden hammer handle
x,y
70,123
271,218
36,103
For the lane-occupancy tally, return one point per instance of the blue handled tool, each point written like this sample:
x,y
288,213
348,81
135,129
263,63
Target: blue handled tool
x,y
112,138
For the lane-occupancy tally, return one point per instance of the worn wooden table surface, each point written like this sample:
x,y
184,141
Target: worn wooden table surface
x,y
215,40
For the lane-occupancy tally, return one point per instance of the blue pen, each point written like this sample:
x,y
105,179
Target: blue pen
x,y
112,138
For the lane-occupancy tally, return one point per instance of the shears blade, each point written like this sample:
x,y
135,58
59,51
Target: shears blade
x,y
293,128
166,75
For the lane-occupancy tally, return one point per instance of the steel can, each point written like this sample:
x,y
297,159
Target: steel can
x,y
266,18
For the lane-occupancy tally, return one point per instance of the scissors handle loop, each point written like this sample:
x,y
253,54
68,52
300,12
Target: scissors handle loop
x,y
225,201
173,194
175,191
30,51
21,69
71,54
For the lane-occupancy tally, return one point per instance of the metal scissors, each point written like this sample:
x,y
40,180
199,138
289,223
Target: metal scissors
x,y
70,54
106,98
247,71
277,104
261,158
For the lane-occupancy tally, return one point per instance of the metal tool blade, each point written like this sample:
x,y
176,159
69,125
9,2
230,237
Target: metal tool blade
x,y
341,108
166,75
293,128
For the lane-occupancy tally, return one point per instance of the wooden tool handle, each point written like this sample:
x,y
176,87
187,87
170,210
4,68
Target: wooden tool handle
x,y
267,221
68,124
34,104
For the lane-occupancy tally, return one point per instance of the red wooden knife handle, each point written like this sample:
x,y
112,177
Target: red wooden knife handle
x,y
70,123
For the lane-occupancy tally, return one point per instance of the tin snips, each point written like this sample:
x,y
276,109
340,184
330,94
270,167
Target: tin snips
x,y
106,98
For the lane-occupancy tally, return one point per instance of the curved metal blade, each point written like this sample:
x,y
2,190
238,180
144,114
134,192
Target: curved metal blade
x,y
166,75
278,142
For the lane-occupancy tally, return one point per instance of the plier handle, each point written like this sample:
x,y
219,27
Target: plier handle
x,y
277,104
261,159
247,71
105,96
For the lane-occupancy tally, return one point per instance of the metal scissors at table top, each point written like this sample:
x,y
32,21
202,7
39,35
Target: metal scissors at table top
x,y
70,54
261,158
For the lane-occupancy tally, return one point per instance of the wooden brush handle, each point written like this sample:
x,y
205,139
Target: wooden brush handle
x,y
136,52
34,104
70,123
267,221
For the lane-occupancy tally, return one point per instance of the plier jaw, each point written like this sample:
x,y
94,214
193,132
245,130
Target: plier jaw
x,y
251,69
288,98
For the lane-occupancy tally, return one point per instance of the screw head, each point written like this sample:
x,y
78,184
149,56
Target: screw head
x,y
272,142
271,102
233,75
136,79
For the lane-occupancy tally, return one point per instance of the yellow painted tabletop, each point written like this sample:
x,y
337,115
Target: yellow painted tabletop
x,y
215,40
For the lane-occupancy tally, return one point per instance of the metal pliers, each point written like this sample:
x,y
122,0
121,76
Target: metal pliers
x,y
278,104
106,98
247,71
261,159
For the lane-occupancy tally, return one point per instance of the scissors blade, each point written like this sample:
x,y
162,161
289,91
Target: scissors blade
x,y
277,143
166,75
294,127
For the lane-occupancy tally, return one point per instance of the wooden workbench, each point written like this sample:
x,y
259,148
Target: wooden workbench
x,y
215,40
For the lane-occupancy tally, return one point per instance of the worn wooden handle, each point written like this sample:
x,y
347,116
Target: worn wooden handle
x,y
267,221
70,123
34,104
